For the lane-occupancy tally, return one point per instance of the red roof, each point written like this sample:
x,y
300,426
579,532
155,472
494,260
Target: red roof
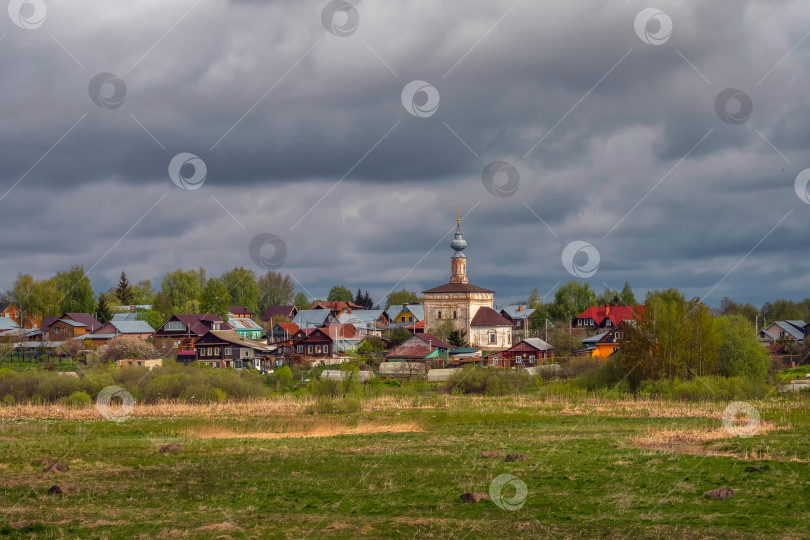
x,y
336,306
616,314
277,311
47,322
290,328
412,351
486,316
433,340
195,322
86,319
340,331
239,310
457,287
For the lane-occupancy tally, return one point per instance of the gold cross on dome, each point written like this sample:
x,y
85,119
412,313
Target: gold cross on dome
x,y
458,215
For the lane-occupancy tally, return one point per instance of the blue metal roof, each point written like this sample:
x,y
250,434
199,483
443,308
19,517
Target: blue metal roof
x,y
132,327
515,311
311,317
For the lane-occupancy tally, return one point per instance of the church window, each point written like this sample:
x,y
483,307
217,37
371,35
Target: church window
x,y
492,338
455,314
439,316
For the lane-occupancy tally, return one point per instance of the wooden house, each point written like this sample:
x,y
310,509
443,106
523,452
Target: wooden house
x,y
180,332
228,349
529,352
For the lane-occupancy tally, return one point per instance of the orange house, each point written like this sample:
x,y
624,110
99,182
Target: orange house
x,y
11,311
72,326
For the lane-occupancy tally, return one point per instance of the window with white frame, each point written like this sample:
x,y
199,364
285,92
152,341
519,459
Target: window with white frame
x,y
210,352
309,349
175,325
300,349
492,338
216,351
326,349
317,349
227,351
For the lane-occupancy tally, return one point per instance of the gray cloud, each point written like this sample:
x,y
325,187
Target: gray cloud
x,y
314,104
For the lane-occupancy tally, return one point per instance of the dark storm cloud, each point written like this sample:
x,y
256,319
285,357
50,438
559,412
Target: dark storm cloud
x,y
280,110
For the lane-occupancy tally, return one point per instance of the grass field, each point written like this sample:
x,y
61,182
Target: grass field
x,y
398,467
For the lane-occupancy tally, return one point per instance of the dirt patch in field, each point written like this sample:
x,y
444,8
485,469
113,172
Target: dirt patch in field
x,y
692,441
313,432
218,527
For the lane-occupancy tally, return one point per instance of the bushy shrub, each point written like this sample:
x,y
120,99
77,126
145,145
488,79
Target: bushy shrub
x,y
124,347
489,381
325,405
169,382
78,399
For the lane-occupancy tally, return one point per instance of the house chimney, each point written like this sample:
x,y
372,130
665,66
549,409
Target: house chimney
x,y
607,310
520,308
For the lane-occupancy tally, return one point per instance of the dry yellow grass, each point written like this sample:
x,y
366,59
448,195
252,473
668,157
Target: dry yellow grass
x,y
319,430
296,406
692,441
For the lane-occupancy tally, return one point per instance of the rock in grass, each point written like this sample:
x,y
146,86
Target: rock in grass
x,y
516,457
170,448
720,493
475,497
490,454
753,468
53,465
55,490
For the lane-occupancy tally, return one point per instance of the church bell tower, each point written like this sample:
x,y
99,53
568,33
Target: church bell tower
x,y
458,262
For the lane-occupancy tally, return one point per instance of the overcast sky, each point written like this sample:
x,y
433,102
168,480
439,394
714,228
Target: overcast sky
x,y
614,126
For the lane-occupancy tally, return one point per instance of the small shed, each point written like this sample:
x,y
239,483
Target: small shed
x,y
338,375
440,375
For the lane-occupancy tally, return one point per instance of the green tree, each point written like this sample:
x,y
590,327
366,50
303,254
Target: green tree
x,y
443,329
562,342
397,336
22,295
301,301
783,310
673,338
124,291
339,293
181,286
215,299
77,295
401,297
626,297
458,338
142,292
152,317
740,352
608,296
534,300
103,312
47,298
242,286
284,377
275,289
572,299
163,305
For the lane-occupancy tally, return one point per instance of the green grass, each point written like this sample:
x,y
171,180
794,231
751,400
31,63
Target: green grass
x,y
583,476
